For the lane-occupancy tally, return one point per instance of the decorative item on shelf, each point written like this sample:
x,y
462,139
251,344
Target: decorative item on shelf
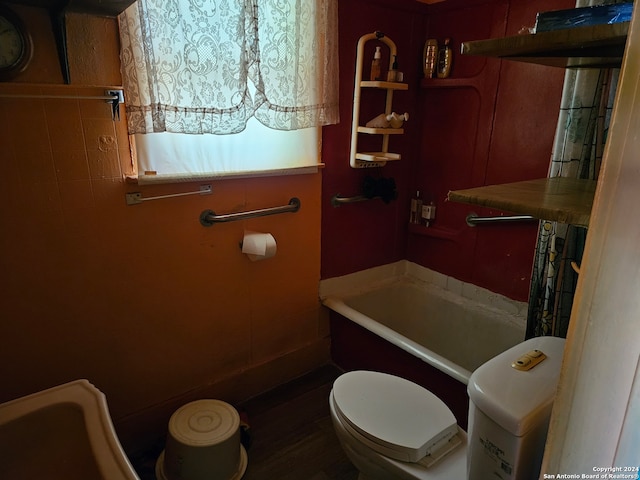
x,y
430,58
396,120
379,121
428,213
393,120
391,74
16,48
416,209
375,66
583,16
395,75
445,58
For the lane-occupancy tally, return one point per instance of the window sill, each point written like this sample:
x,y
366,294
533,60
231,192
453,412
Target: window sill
x,y
184,178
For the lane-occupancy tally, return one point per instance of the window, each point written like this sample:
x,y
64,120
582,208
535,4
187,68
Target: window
x,y
258,150
217,87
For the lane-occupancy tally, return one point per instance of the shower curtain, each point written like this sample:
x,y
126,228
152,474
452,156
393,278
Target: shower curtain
x,y
585,110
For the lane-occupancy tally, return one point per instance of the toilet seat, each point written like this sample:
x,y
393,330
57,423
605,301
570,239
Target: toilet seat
x,y
394,416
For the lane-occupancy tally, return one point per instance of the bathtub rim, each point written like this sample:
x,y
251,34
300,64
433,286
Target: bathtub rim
x,y
437,361
363,281
335,292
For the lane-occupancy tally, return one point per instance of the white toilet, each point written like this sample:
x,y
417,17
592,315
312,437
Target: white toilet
x,y
63,433
391,428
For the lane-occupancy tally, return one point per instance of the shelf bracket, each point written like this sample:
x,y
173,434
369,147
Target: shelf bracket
x,y
59,25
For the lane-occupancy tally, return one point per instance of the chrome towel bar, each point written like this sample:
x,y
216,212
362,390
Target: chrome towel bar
x,y
473,219
109,96
209,217
135,198
114,97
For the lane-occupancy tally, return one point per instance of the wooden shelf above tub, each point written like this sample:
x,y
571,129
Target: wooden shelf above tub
x,y
565,200
579,47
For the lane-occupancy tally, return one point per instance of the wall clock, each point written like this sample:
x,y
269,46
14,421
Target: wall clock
x,y
16,48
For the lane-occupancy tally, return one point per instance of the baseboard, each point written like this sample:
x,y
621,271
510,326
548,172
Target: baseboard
x,y
142,430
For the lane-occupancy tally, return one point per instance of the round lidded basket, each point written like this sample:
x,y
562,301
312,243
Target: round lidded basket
x,y
203,443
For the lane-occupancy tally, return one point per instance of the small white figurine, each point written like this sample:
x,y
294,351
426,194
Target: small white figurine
x,y
392,120
396,120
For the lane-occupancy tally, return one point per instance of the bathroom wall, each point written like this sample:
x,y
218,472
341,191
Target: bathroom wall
x,y
157,310
362,235
491,122
497,125
150,306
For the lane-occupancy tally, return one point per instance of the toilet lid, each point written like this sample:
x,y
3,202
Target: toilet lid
x,y
392,415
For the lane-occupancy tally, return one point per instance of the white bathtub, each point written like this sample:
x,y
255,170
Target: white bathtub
x,y
453,326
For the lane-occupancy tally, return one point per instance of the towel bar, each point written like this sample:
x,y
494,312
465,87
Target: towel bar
x,y
473,219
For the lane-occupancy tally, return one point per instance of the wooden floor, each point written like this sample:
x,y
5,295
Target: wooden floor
x,y
291,434
293,438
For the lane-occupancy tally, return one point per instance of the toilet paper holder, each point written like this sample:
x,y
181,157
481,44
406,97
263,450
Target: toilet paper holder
x,y
208,217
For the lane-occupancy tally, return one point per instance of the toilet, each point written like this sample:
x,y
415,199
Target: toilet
x,y
391,428
61,433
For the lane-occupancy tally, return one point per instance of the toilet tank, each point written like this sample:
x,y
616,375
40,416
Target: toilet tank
x,y
510,404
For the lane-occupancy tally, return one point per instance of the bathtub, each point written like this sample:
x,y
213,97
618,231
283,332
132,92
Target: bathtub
x,y
445,325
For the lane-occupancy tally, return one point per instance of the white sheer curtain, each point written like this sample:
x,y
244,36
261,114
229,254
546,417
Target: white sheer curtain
x,y
188,64
219,66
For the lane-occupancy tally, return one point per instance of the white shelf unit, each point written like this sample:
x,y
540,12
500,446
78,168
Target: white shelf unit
x,y
378,158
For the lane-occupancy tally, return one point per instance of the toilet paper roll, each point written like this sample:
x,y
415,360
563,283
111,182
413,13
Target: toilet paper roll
x,y
258,246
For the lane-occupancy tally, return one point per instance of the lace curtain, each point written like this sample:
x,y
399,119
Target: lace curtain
x,y
208,66
585,111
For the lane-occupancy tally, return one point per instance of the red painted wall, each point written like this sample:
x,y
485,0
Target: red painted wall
x,y
362,235
491,122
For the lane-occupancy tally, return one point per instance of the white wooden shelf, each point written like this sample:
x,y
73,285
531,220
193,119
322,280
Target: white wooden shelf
x,y
384,85
377,156
380,158
381,131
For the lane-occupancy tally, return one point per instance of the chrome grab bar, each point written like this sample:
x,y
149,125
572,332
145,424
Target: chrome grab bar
x,y
473,219
209,217
337,200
